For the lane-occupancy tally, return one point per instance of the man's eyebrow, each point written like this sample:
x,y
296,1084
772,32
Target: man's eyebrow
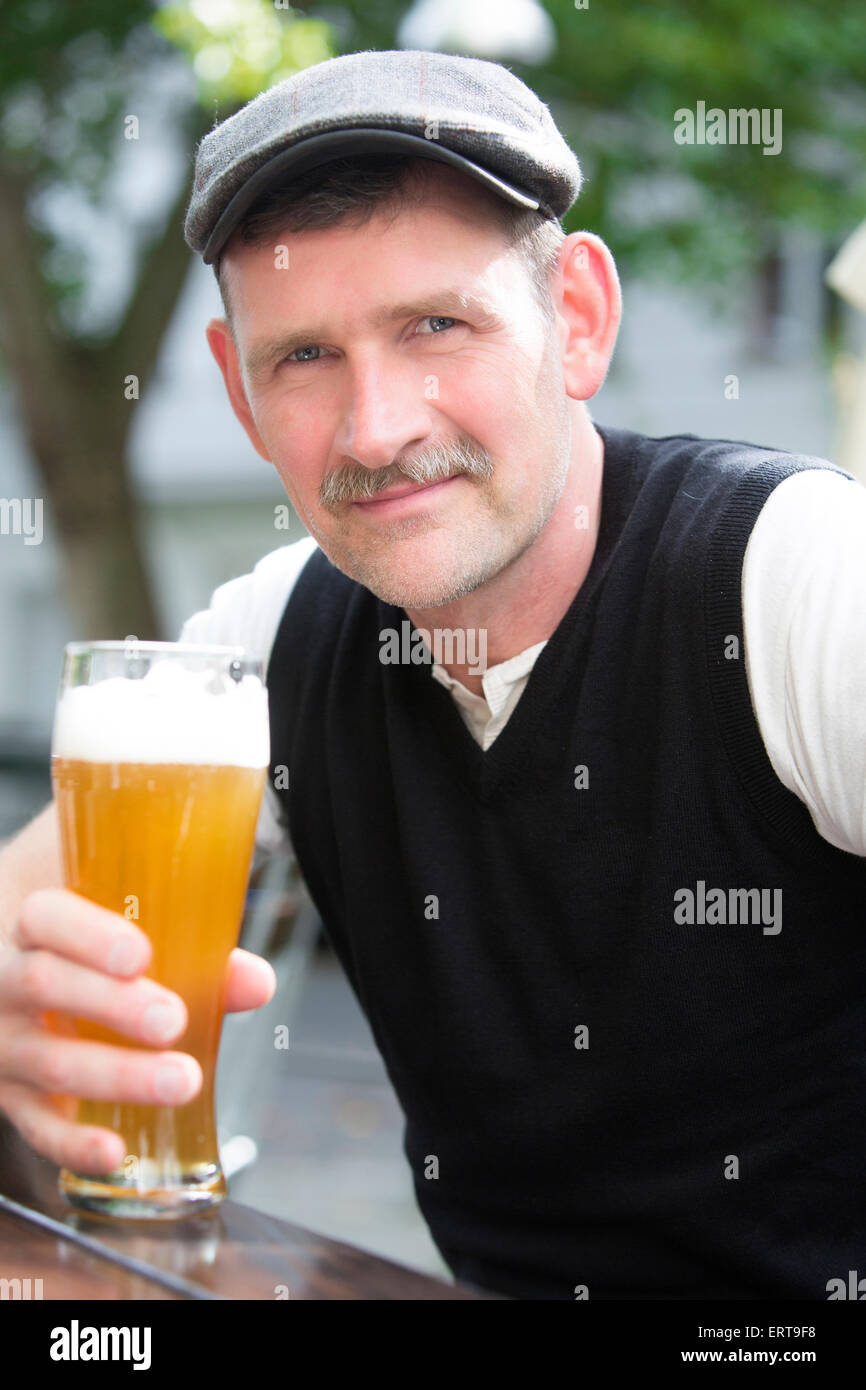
x,y
447,303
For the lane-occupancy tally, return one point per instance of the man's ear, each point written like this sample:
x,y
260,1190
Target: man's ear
x,y
222,345
588,302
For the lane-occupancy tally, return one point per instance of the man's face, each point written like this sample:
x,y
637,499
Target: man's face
x,y
424,439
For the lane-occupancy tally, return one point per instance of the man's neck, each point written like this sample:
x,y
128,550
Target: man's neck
x,y
525,602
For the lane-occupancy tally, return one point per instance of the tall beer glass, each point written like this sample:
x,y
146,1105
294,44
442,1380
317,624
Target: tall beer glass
x,y
159,759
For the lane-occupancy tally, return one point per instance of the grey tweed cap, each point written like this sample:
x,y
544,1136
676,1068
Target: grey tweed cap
x,y
467,112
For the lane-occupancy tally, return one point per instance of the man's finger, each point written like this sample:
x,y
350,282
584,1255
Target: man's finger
x,y
53,919
251,981
99,1071
40,1121
39,981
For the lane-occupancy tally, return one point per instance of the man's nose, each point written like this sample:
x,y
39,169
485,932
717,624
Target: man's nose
x,y
386,410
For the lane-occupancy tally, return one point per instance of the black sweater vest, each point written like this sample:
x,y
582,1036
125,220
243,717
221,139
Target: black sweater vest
x,y
621,1077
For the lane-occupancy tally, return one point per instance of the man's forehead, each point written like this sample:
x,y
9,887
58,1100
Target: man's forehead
x,y
477,277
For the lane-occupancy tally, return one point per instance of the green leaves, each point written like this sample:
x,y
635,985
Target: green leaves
x,y
239,47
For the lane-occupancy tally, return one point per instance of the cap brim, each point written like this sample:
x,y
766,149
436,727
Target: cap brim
x,y
333,144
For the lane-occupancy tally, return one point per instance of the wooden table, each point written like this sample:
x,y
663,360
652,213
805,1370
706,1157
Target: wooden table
x,y
233,1252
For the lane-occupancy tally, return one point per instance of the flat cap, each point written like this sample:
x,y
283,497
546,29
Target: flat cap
x,y
467,112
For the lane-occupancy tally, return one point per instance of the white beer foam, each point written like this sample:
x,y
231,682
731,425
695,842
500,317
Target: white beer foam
x,y
170,715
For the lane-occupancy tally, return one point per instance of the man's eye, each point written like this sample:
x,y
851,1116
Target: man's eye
x,y
437,318
311,347
301,354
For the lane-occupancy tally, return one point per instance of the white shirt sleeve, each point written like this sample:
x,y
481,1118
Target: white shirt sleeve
x,y
246,612
804,628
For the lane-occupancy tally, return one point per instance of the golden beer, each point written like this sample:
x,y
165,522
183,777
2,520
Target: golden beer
x,y
167,845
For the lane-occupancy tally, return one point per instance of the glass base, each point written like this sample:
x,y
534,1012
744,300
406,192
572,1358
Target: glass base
x,y
119,1195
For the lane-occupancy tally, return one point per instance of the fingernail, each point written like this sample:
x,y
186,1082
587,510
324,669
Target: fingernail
x,y
106,1156
172,1085
123,957
160,1022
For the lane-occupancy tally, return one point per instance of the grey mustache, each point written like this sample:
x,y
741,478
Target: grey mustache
x,y
432,465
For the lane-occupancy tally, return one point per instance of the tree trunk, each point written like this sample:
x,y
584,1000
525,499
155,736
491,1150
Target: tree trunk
x,y
76,417
105,584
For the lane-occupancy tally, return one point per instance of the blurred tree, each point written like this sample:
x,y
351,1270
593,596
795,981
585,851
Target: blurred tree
x,y
75,82
697,211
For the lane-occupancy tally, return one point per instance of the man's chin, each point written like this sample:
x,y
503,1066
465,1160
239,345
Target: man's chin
x,y
419,599
416,592
417,581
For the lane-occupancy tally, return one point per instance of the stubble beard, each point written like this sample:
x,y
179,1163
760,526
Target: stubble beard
x,y
478,548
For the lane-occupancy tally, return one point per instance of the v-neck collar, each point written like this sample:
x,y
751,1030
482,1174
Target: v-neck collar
x,y
487,772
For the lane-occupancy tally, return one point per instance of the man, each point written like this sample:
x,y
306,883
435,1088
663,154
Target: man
x,y
571,718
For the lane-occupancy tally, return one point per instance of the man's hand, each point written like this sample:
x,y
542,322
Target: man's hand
x,y
65,955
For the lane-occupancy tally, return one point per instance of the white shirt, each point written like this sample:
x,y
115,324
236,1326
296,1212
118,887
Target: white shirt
x,y
804,633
